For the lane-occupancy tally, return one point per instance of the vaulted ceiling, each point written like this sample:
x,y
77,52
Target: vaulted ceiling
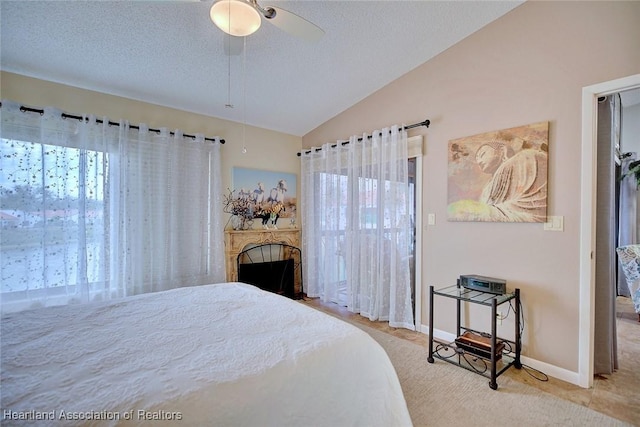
x,y
170,53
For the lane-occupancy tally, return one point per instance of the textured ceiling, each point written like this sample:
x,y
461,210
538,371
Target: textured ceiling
x,y
169,53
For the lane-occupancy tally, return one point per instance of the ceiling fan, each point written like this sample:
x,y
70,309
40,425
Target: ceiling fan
x,y
241,18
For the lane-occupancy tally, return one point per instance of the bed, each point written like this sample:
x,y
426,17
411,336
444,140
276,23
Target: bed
x,y
226,354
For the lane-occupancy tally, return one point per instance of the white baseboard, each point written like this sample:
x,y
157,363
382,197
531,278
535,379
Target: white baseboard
x,y
550,370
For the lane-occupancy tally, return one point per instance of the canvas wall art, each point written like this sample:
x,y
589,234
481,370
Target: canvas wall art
x,y
266,196
499,176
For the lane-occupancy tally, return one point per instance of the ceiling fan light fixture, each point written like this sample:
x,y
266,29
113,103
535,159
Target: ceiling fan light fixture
x,y
235,17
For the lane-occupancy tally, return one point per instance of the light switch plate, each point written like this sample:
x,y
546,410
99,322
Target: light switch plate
x,y
431,219
554,223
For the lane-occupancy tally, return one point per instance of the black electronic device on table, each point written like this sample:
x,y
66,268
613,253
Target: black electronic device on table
x,y
483,284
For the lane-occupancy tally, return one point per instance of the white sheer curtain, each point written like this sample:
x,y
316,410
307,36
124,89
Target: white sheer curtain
x,y
93,211
356,227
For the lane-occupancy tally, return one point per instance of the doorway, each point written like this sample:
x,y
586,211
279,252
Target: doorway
x,y
590,97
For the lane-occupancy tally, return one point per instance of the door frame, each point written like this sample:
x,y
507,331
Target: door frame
x,y
417,315
415,150
590,95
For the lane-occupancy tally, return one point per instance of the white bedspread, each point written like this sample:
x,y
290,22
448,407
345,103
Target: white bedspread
x,y
218,355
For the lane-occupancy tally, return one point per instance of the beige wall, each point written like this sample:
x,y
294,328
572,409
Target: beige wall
x,y
528,66
266,150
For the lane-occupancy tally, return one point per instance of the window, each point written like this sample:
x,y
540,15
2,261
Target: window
x,y
53,217
92,211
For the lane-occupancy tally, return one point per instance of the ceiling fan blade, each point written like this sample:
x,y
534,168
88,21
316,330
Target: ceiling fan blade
x,y
294,24
233,45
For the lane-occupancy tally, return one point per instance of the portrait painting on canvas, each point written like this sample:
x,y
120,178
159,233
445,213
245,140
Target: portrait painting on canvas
x,y
499,176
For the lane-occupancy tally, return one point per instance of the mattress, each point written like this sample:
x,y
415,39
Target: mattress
x,y
225,354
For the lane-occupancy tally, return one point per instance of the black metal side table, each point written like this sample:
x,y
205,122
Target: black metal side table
x,y
499,361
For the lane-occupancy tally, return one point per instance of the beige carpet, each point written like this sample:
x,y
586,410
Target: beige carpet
x,y
441,394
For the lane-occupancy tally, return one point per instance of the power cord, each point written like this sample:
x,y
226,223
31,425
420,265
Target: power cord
x,y
533,372
453,350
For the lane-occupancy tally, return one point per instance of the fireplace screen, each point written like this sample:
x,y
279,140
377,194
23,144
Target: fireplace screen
x,y
273,267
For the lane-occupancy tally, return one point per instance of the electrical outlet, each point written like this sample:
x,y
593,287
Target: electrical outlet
x,y
500,317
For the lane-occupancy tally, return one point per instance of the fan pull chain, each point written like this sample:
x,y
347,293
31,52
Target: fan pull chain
x,y
229,104
244,94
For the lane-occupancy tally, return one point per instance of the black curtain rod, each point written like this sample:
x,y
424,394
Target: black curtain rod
x,y
71,116
425,123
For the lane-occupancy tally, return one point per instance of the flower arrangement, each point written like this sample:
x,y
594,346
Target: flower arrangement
x,y
240,208
244,209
